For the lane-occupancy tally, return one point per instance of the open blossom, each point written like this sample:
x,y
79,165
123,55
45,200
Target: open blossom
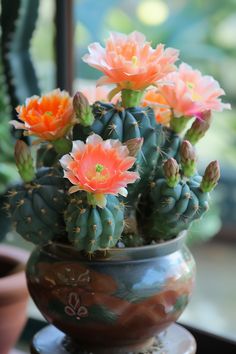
x,y
192,93
159,104
99,166
130,62
97,93
48,117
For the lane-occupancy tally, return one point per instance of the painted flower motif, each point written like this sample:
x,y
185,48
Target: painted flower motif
x,y
192,93
99,167
74,307
130,62
48,117
159,104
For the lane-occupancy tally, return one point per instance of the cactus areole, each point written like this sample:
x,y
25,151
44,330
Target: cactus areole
x,y
109,188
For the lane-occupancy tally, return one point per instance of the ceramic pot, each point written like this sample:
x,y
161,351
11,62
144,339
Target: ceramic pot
x,y
13,295
114,304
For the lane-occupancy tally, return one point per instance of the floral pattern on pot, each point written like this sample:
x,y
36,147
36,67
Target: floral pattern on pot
x,y
114,301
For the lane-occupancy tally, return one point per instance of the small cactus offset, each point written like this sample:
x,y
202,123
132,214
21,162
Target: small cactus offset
x,y
129,161
91,228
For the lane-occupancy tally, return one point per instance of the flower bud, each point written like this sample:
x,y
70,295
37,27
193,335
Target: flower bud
x,y
134,146
24,161
211,177
199,128
171,172
188,158
82,109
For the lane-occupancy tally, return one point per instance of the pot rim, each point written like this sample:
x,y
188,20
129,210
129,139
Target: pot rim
x,y
139,254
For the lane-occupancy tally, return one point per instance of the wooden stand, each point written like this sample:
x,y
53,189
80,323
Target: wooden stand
x,y
175,340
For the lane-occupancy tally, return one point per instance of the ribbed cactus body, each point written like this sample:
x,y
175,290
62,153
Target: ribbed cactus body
x,y
168,143
91,228
37,207
113,122
174,209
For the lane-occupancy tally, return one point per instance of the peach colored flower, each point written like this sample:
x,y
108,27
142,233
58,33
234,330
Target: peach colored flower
x,y
99,166
130,62
48,117
192,93
158,103
97,93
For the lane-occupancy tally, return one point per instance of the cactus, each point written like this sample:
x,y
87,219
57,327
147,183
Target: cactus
x,y
36,208
118,151
91,228
18,23
175,201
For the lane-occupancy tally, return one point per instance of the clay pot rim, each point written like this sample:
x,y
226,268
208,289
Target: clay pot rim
x,y
129,254
13,286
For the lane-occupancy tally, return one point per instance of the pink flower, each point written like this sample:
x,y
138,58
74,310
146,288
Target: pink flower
x,y
99,167
158,103
95,93
130,62
191,93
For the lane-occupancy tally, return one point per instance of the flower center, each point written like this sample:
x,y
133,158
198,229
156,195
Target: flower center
x,y
48,113
194,95
134,60
99,167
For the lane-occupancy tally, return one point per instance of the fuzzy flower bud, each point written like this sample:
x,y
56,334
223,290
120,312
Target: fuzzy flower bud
x,y
199,128
82,109
171,171
188,158
24,161
134,146
211,177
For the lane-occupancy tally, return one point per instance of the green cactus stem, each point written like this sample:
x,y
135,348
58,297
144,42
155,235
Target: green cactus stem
x,y
24,161
171,210
36,208
188,158
178,124
91,228
62,146
131,98
198,128
211,177
82,109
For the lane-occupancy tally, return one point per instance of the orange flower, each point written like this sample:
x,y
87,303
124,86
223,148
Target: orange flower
x,y
99,167
48,117
130,62
159,104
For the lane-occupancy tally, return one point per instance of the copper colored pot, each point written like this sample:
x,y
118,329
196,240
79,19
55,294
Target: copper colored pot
x,y
114,304
13,296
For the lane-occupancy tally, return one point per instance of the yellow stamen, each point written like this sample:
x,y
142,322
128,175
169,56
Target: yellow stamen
x,y
134,60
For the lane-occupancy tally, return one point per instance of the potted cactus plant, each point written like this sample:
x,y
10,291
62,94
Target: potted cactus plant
x,y
115,190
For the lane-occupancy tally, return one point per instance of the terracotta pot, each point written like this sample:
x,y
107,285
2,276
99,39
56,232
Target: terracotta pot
x,y
114,304
13,295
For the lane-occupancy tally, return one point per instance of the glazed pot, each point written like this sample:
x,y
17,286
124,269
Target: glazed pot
x,y
13,295
113,304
